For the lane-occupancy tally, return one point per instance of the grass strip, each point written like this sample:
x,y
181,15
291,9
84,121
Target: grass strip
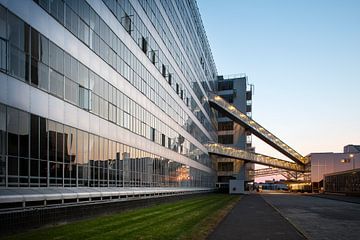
x,y
192,218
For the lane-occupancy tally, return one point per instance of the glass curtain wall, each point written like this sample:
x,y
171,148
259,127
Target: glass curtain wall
x,y
38,152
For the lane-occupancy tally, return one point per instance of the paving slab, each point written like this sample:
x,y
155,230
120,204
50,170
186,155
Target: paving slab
x,y
253,218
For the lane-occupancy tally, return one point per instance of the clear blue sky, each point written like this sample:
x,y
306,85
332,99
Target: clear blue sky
x,y
303,58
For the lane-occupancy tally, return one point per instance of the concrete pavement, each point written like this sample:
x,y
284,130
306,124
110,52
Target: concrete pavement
x,y
319,218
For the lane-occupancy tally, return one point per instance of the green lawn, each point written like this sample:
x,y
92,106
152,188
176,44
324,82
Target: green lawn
x,y
192,218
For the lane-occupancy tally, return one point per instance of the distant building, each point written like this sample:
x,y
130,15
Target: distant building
x,y
235,90
273,185
331,164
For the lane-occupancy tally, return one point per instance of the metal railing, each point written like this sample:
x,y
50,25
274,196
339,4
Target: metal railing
x,y
221,105
50,197
232,152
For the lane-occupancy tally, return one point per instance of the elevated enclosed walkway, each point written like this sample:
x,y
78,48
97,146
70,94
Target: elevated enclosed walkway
x,y
231,152
250,125
271,171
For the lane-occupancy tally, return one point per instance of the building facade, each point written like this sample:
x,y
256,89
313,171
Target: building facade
x,y
236,90
105,93
331,164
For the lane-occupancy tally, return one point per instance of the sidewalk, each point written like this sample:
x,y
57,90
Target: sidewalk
x,y
252,218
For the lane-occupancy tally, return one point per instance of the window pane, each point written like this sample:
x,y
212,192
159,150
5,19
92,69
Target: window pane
x,y
17,63
13,164
16,31
72,4
103,108
13,131
43,169
67,65
2,144
34,72
3,22
44,4
24,169
3,56
57,10
69,144
80,147
93,19
59,142
84,98
71,91
35,44
24,133
95,42
74,69
83,32
95,104
56,58
84,11
43,74
92,79
152,134
44,50
34,168
226,139
71,67
56,83
225,126
52,140
34,144
83,76
71,20
43,139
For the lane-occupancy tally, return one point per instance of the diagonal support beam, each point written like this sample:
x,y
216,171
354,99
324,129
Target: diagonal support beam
x,y
231,152
237,116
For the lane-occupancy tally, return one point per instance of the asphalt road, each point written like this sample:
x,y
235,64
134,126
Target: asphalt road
x,y
318,218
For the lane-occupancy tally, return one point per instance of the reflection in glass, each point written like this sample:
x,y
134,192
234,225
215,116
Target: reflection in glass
x,y
2,143
43,75
63,156
56,83
13,131
24,133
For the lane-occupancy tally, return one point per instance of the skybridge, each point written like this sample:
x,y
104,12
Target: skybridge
x,y
232,152
250,125
271,171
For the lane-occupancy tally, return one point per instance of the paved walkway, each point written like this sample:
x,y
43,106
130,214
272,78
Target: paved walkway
x,y
252,218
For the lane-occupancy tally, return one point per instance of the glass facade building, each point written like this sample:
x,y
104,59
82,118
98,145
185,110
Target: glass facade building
x,y
236,90
105,93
